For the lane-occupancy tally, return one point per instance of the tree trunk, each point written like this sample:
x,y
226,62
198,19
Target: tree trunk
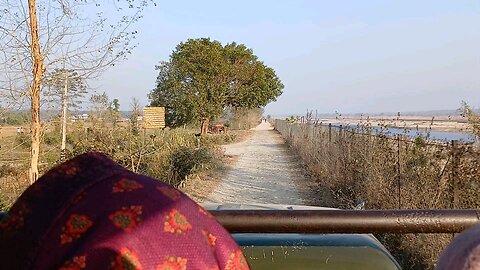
x,y
64,118
38,71
204,127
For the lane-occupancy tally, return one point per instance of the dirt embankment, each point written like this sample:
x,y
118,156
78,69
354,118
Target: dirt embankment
x,y
263,170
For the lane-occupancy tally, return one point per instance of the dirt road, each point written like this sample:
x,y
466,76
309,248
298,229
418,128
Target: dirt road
x,y
266,171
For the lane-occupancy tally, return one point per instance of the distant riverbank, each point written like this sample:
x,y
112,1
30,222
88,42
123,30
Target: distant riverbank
x,y
438,123
437,128
429,134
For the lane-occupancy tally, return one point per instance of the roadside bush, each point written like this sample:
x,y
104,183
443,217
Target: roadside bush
x,y
171,155
7,170
186,161
24,139
217,139
168,155
13,181
229,138
52,139
14,118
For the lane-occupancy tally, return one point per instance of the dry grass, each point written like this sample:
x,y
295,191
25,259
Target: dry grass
x,y
13,182
8,132
390,173
14,161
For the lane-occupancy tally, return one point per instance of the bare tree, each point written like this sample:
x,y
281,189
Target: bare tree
x,y
67,88
136,111
70,34
100,104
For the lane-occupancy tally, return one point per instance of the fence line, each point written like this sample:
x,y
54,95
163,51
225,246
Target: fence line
x,y
356,163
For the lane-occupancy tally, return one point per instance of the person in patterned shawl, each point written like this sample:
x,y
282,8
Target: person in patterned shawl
x,y
90,213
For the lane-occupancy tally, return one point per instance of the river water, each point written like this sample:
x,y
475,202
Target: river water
x,y
432,135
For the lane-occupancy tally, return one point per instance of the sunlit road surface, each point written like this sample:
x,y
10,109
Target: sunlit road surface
x,y
265,172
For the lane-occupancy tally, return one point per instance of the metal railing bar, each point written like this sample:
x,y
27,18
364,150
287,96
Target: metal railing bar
x,y
347,221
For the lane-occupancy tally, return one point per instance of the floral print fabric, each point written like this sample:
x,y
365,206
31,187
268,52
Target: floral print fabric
x,y
75,226
90,213
127,218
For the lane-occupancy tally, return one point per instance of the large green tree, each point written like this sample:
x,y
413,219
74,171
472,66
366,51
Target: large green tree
x,y
203,77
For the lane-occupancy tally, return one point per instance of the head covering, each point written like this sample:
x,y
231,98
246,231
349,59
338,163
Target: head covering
x,y
90,213
463,253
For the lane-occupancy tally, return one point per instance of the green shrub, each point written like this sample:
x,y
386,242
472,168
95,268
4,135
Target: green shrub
x,y
168,155
13,181
52,138
217,139
24,139
7,170
186,161
15,118
230,138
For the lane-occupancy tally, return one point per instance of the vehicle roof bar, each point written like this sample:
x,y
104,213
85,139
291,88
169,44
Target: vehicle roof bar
x,y
347,221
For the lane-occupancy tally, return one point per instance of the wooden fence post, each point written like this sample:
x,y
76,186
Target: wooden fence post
x,y
399,177
455,199
330,132
340,131
454,175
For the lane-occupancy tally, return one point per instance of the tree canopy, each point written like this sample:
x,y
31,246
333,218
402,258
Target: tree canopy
x,y
57,80
203,77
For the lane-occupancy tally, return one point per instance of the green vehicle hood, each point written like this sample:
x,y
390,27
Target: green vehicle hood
x,y
308,251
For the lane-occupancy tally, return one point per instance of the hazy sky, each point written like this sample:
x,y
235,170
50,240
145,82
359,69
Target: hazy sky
x,y
346,56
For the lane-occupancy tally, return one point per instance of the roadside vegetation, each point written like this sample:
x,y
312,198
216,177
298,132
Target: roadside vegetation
x,y
390,172
171,155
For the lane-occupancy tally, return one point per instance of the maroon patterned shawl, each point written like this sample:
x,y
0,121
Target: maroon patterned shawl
x,y
90,213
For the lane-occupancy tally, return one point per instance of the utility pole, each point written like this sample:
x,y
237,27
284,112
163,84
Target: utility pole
x,y
64,116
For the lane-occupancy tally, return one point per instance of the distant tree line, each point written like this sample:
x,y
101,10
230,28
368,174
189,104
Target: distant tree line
x,y
15,118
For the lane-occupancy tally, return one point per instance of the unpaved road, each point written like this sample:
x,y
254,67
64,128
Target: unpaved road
x,y
266,171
